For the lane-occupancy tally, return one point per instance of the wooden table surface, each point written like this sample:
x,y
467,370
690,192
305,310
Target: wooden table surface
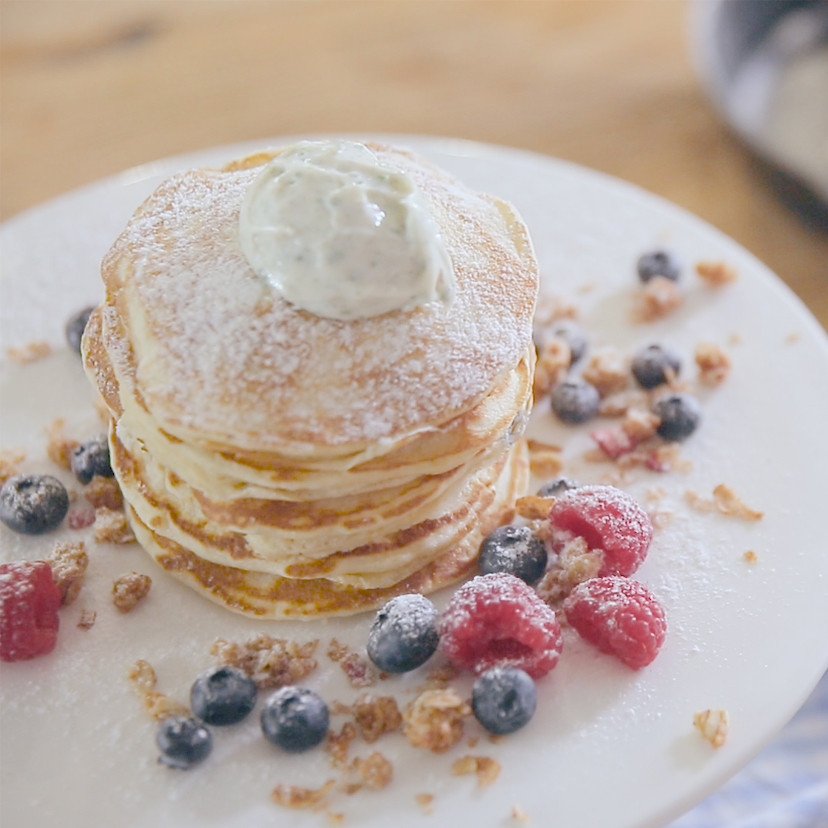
x,y
90,87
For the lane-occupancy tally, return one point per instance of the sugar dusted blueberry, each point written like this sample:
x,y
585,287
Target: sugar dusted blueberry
x,y
513,549
33,503
91,458
223,695
295,719
183,741
575,400
504,699
679,415
654,365
659,262
75,326
404,634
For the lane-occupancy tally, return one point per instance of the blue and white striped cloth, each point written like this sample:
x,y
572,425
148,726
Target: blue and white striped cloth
x,y
785,786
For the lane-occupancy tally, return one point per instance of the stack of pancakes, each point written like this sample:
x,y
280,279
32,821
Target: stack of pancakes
x,y
286,464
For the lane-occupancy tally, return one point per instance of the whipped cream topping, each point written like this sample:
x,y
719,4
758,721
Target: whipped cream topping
x,y
342,235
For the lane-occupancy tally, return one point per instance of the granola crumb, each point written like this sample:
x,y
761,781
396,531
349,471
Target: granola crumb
x,y
658,298
608,370
443,673
270,662
484,767
434,720
618,403
336,817
337,745
574,564
425,801
359,670
725,501
716,274
30,352
87,619
713,726
375,771
553,309
81,518
554,359
534,507
750,557
713,363
292,796
69,562
104,492
376,715
111,526
143,678
520,815
129,590
59,447
10,460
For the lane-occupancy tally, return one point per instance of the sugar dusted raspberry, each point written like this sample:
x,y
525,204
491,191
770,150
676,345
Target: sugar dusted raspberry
x,y
29,602
497,620
619,616
609,520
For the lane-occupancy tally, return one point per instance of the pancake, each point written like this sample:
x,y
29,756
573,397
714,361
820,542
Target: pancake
x,y
284,463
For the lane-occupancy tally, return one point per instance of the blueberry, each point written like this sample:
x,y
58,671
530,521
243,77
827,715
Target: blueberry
x,y
295,719
516,550
404,634
659,263
33,503
654,365
504,699
575,400
75,326
222,695
679,413
184,741
91,458
558,486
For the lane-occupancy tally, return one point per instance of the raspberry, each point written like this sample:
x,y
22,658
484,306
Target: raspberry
x,y
609,520
29,602
619,616
497,620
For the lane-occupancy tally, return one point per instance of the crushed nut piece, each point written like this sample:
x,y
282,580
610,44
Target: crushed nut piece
x,y
486,769
129,589
750,557
639,424
725,501
716,274
338,744
520,815
425,801
270,662
158,706
87,619
69,562
713,726
59,447
30,352
81,518
608,370
620,402
360,671
435,720
292,796
713,363
376,715
111,527
10,459
658,298
104,492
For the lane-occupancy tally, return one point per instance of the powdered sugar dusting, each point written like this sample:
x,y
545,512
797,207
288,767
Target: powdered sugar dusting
x,y
220,353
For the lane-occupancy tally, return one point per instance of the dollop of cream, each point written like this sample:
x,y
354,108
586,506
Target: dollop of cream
x,y
340,234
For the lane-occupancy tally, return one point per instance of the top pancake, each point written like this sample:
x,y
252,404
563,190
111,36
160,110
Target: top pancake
x,y
219,358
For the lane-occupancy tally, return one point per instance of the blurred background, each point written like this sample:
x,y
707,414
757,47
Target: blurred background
x,y
91,87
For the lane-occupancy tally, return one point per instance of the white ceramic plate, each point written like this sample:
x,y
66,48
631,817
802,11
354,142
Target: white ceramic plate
x,y
608,746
